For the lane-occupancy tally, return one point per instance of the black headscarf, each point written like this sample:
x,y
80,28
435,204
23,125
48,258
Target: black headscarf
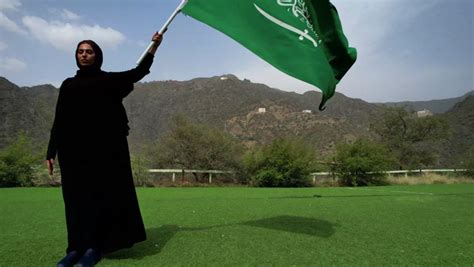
x,y
95,67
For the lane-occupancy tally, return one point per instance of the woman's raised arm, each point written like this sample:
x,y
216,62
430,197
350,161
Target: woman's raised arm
x,y
136,74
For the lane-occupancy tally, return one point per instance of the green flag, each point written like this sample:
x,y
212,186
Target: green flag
x,y
302,38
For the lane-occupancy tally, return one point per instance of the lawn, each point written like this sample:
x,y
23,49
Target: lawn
x,y
391,225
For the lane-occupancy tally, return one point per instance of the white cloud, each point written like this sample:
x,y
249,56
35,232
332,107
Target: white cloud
x,y
378,74
366,23
142,43
69,15
259,71
64,14
9,4
12,64
65,36
3,46
9,24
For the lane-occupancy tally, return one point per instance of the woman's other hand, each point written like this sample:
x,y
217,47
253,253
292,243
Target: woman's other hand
x,y
50,165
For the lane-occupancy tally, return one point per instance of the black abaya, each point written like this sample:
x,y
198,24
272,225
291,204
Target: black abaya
x,y
89,137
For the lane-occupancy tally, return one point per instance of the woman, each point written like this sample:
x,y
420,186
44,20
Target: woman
x,y
89,135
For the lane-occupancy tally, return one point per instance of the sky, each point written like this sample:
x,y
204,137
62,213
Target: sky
x,y
407,49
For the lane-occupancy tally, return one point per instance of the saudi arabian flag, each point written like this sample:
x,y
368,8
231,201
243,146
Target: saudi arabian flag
x,y
302,38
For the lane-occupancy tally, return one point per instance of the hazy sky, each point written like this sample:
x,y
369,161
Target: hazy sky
x,y
407,49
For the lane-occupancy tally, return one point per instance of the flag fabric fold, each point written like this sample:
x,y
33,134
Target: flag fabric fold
x,y
302,38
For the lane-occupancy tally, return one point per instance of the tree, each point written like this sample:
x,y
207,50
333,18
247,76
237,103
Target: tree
x,y
283,163
16,163
190,145
361,163
410,138
140,164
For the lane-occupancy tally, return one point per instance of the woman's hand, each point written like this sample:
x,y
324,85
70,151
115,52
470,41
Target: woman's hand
x,y
50,165
156,39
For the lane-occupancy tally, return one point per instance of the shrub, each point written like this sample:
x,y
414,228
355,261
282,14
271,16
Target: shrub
x,y
190,145
362,163
16,163
283,163
141,176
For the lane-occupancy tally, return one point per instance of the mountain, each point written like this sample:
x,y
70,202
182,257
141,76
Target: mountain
x,y
27,109
435,106
224,102
461,121
229,104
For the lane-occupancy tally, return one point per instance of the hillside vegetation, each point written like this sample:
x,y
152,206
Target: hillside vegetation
x,y
230,105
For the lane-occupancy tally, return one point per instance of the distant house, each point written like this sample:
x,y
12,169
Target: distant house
x,y
224,78
262,110
307,111
423,113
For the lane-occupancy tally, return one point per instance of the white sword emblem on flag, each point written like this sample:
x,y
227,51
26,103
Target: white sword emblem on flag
x,y
302,34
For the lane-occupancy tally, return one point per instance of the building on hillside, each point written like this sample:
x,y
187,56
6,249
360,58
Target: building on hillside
x,y
423,113
262,110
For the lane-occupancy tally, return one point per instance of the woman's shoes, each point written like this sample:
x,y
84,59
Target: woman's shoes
x,y
90,258
70,259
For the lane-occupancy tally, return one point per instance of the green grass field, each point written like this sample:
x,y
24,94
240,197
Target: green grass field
x,y
393,225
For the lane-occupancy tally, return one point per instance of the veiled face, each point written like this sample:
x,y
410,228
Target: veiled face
x,y
85,55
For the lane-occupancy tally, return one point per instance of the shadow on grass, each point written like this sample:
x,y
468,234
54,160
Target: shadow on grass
x,y
156,241
295,224
158,237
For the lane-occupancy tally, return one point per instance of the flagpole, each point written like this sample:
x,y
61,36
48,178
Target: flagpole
x,y
165,26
